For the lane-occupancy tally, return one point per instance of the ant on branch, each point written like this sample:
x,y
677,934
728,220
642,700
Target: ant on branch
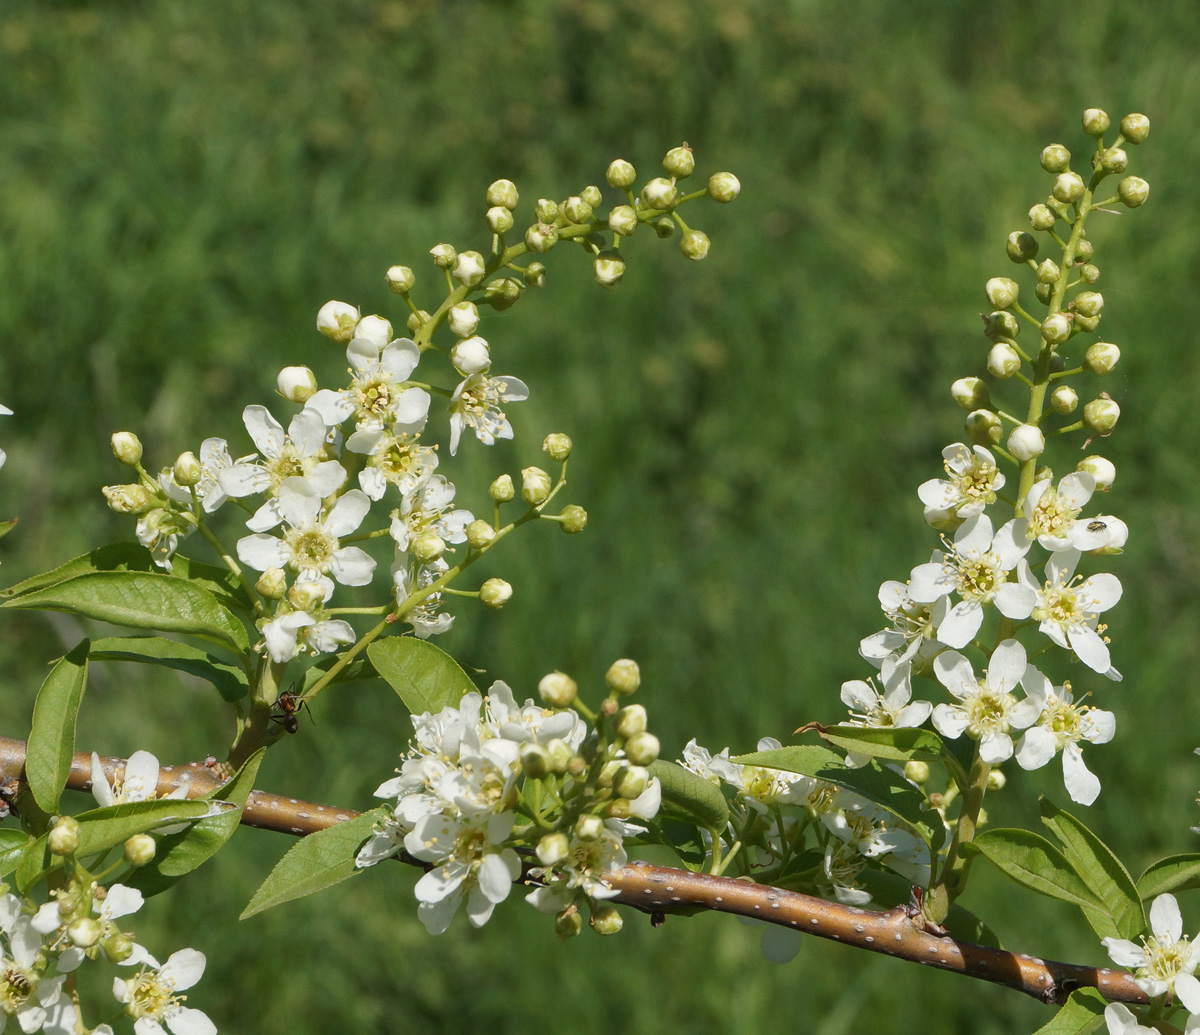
x,y
291,704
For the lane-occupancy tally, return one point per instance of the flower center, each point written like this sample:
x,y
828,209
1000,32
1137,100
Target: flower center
x,y
16,986
150,996
976,482
979,576
987,711
376,397
1061,605
1164,960
312,549
289,463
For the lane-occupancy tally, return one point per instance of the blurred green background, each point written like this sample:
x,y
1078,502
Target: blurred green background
x,y
182,185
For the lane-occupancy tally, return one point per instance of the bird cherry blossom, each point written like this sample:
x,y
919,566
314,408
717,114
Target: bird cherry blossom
x,y
972,483
1166,961
476,405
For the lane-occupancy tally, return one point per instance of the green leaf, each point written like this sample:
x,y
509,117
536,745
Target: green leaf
x,y
426,677
180,853
12,844
696,796
359,669
896,745
7,526
1101,871
52,738
104,828
1174,873
1082,1013
230,680
141,600
117,557
883,787
1033,862
316,862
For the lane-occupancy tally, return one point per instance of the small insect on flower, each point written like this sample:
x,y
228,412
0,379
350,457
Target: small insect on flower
x,y
1097,526
291,705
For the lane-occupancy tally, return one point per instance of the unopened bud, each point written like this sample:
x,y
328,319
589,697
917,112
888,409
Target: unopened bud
x,y
417,320
1002,292
621,174
561,755
623,676
1056,328
541,238
535,485
500,294
1101,415
577,210
1114,159
499,219
1026,442
1064,399
471,355
127,448
307,595
557,446
623,220
64,836
444,256
1043,292
127,499
336,320
591,194
723,187
664,227
187,470
608,268
917,772
463,318
983,427
557,689
679,162
553,848
1068,187
1133,191
535,274
480,534
501,490
1088,303
1101,357
694,244
1021,246
272,584
1003,360
117,947
574,519
86,932
495,593
1096,122
375,329
1103,470
568,923
503,193
1048,272
1042,217
1055,158
427,547
659,193
469,268
969,392
641,749
535,761
632,781
401,279
1000,325
630,721
589,828
296,384
996,780
1088,273
139,850
1084,250
1135,128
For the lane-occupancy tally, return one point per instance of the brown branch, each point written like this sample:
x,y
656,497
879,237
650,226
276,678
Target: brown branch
x,y
659,890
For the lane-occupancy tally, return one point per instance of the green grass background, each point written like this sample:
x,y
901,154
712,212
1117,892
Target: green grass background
x,y
183,184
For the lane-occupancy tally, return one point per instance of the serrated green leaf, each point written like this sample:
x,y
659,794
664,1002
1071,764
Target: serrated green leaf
x,y
180,853
12,844
117,557
1083,1012
230,680
1101,871
359,669
315,863
1033,862
104,828
52,738
696,796
141,600
1174,873
884,788
896,745
426,677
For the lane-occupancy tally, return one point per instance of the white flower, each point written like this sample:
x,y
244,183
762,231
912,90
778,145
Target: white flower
x,y
150,995
986,709
842,865
1122,1021
976,569
914,625
35,1001
476,405
1061,726
1164,962
398,459
427,510
583,872
973,482
310,543
424,617
377,396
531,721
1052,516
160,531
140,782
889,710
300,632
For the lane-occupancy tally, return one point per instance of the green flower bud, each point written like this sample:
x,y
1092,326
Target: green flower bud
x,y
535,760
1055,158
1114,159
127,448
606,920
495,593
589,828
1026,442
659,193
417,320
64,836
620,174
1068,187
187,470
723,187
568,923
535,274
557,689
557,446
272,584
1021,246
546,211
630,721
1088,303
541,238
296,384
480,534
1134,191
623,220
561,755
1002,292
996,780
1101,357
679,162
401,279
139,850
1088,273
1042,217
633,781
574,519
1064,399
917,772
1101,415
971,393
618,808
1087,323
1084,250
577,210
501,490
1095,122
694,244
553,848
502,293
535,485
1099,468
469,268
623,676
444,256
117,947
642,749
1043,292
1135,128
1056,328
1048,272
608,268
427,547
85,932
504,194
499,219
1001,325
1003,361
983,427
306,596
664,227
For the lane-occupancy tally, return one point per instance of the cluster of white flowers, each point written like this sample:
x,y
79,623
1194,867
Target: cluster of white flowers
x,y
39,950
457,796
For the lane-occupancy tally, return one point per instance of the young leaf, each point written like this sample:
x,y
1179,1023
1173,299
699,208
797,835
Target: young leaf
x,y
141,600
52,738
696,796
180,853
884,788
426,677
1174,873
316,862
230,680
1082,1013
12,844
1034,863
1101,871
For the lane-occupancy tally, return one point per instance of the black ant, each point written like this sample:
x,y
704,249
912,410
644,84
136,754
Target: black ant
x,y
291,704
